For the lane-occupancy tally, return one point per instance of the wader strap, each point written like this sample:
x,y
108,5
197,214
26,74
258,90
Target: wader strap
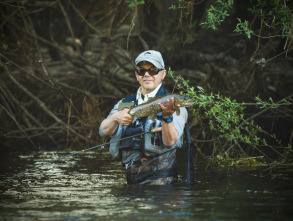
x,y
189,176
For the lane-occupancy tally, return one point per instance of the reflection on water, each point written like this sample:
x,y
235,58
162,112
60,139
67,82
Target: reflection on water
x,y
92,186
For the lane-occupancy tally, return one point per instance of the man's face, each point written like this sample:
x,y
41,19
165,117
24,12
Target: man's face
x,y
148,82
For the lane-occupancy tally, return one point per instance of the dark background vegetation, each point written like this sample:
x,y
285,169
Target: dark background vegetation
x,y
64,64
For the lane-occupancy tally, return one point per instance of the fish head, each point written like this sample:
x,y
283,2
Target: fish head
x,y
183,101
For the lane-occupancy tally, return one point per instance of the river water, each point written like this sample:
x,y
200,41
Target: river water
x,y
91,186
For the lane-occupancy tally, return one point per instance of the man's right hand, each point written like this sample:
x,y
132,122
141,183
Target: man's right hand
x,y
123,117
109,125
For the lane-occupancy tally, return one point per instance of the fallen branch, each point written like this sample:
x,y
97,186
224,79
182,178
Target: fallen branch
x,y
45,108
6,90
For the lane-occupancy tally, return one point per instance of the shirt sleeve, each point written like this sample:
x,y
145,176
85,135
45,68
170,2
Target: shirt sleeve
x,y
179,123
114,110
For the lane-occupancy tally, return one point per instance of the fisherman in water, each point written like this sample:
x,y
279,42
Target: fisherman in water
x,y
150,157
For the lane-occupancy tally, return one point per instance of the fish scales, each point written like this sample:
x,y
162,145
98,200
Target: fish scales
x,y
151,108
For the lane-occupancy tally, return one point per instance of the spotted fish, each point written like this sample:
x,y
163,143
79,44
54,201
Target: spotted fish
x,y
151,108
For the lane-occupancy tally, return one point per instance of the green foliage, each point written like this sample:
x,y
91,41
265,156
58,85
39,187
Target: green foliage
x,y
243,27
227,162
226,119
225,115
5,46
4,63
181,5
189,39
217,14
275,14
185,27
134,3
271,104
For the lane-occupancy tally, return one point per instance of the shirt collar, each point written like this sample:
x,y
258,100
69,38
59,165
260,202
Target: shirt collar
x,y
147,96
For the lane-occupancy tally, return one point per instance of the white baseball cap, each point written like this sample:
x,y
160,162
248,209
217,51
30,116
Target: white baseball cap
x,y
151,56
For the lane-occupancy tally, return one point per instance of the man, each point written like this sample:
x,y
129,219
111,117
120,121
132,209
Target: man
x,y
148,158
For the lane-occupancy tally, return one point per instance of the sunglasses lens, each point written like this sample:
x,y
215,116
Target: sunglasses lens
x,y
141,72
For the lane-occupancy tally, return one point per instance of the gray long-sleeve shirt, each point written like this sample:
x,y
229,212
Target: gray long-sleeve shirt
x,y
150,148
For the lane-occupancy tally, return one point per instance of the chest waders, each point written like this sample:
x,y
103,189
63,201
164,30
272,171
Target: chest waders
x,y
137,127
134,142
137,143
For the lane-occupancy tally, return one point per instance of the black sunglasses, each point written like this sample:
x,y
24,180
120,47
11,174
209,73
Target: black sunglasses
x,y
141,72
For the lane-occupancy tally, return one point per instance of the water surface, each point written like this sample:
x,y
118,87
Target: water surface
x,y
91,186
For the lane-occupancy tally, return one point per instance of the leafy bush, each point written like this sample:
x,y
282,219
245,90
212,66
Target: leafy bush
x,y
227,123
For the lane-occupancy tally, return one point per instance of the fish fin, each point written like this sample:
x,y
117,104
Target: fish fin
x,y
152,117
151,98
178,112
134,119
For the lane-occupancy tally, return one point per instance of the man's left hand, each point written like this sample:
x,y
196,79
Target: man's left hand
x,y
170,108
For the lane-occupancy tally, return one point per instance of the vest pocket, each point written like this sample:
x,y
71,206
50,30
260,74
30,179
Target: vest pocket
x,y
130,141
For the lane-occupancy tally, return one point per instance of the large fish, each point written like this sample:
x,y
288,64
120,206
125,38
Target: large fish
x,y
151,108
